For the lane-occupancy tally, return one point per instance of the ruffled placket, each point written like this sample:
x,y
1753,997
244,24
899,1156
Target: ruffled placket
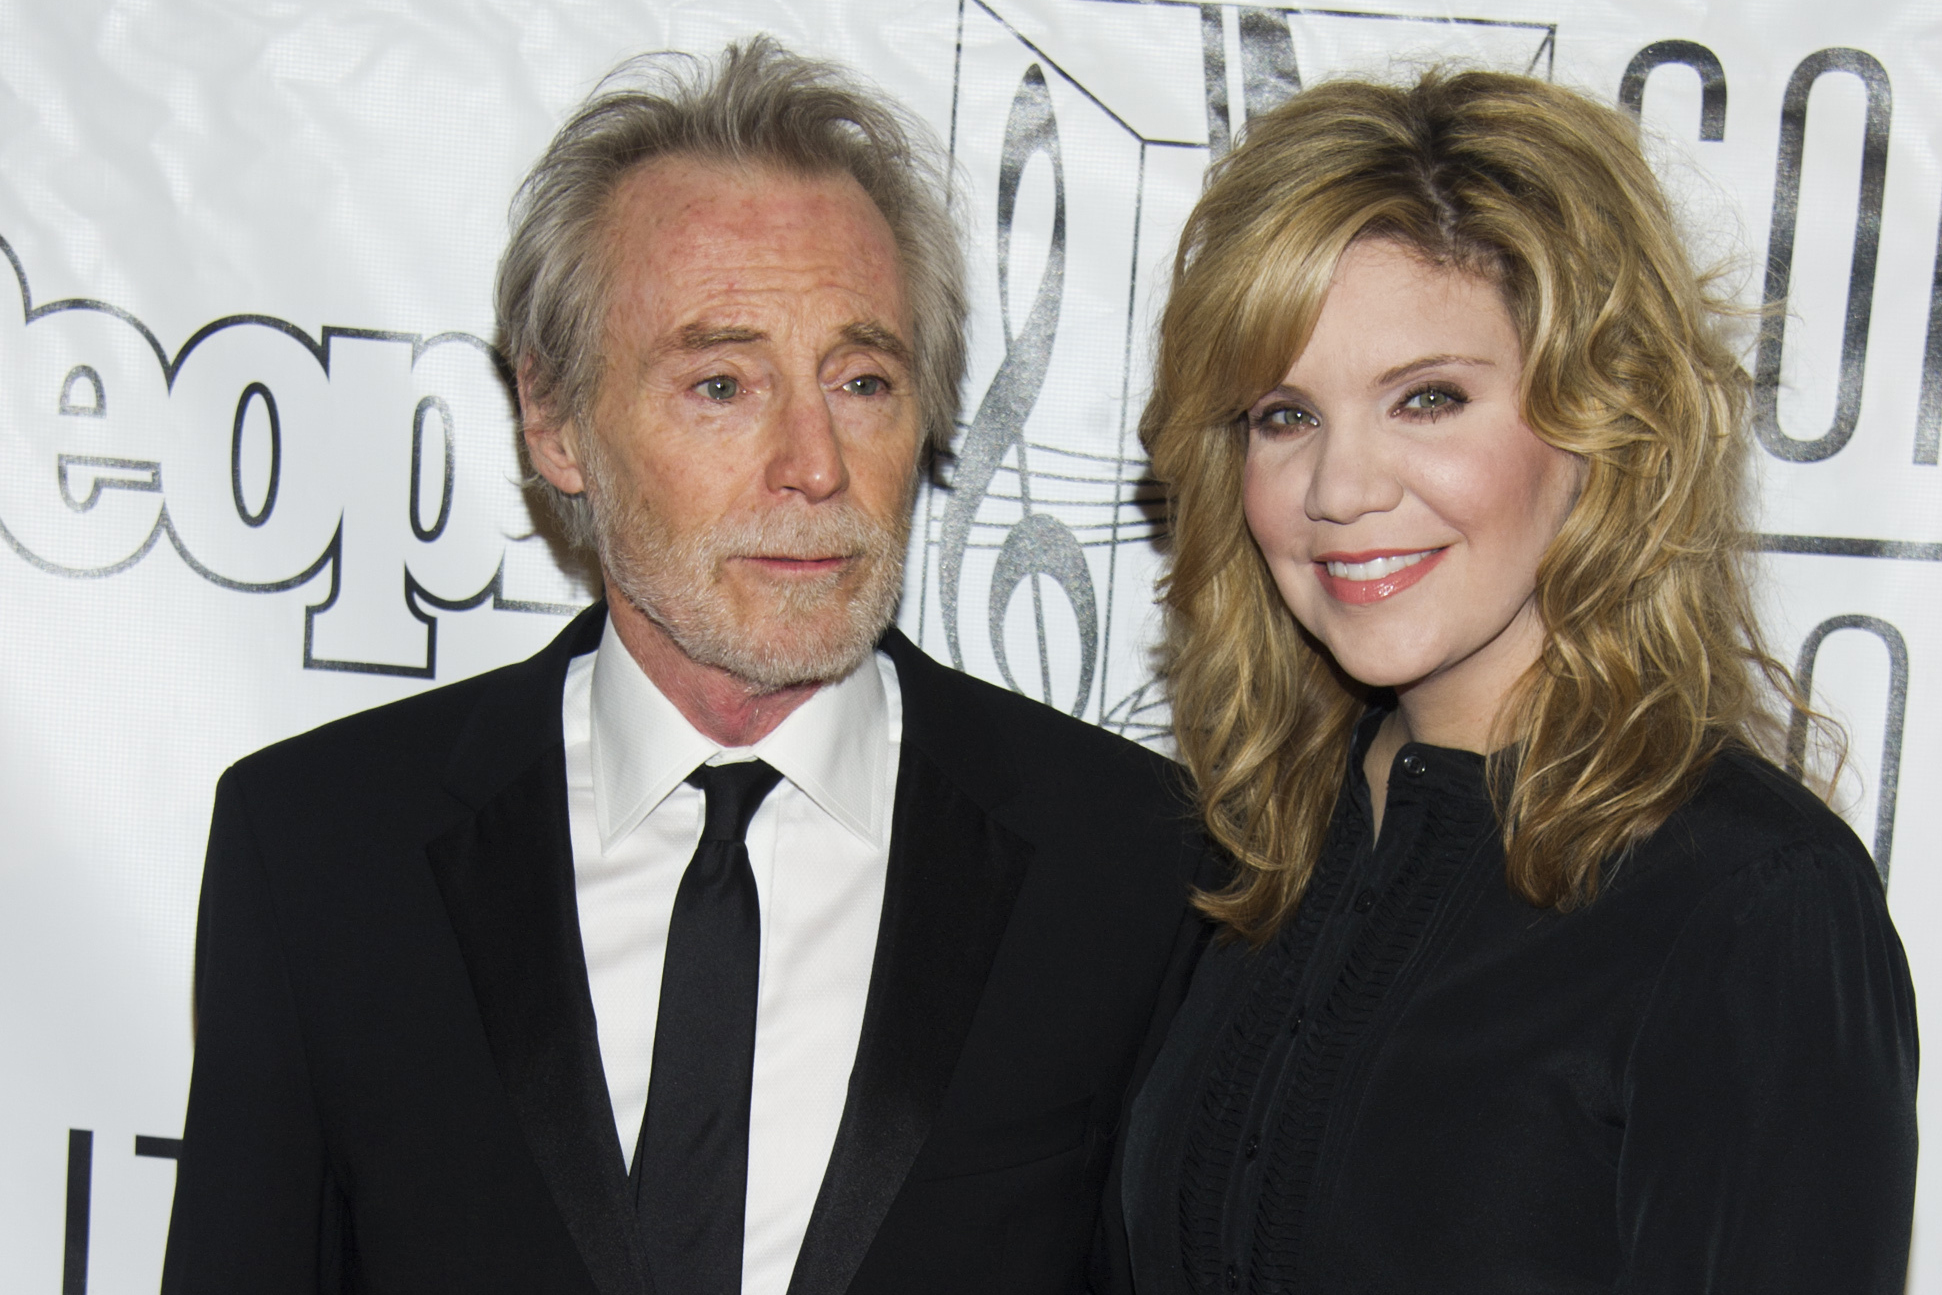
x,y
1279,1065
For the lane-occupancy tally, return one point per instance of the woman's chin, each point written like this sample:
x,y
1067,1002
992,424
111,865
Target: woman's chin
x,y
1377,665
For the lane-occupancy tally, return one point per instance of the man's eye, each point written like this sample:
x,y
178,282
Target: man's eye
x,y
867,385
719,388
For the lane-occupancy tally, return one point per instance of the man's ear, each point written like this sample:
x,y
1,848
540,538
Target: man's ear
x,y
550,440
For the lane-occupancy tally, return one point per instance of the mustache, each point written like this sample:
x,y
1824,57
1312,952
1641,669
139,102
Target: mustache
x,y
843,533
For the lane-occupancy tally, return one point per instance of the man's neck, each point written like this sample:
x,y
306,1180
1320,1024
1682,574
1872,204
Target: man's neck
x,y
722,707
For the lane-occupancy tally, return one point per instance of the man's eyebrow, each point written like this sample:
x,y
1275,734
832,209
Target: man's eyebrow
x,y
1402,371
877,338
702,337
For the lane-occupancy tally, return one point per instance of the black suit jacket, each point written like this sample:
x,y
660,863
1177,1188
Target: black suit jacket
x,y
397,1083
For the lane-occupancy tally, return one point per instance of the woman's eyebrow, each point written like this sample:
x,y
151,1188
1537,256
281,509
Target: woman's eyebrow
x,y
1392,376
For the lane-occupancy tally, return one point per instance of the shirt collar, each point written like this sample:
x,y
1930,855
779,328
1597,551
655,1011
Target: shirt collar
x,y
1446,769
833,747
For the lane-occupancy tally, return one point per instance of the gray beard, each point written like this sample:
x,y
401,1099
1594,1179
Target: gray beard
x,y
806,631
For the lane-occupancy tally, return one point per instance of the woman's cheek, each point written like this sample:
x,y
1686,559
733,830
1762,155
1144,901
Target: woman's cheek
x,y
1272,486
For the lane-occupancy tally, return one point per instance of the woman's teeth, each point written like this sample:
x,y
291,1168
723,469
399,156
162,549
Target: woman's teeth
x,y
1375,568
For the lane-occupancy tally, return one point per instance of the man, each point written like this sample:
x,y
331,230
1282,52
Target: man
x,y
729,944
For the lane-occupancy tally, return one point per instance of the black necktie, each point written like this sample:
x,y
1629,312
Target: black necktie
x,y
691,1164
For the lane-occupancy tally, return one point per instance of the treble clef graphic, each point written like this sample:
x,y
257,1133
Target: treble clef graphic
x,y
1039,544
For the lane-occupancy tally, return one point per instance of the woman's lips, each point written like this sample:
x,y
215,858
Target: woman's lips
x,y
1371,577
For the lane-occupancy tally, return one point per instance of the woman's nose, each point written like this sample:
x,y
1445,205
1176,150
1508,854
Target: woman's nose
x,y
1352,476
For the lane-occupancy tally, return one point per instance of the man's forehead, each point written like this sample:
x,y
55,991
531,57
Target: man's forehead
x,y
705,251
678,198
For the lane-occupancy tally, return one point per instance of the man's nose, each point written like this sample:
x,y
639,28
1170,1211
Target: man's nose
x,y
805,454
1352,476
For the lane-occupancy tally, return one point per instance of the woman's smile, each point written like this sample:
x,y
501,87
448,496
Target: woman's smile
x,y
1371,577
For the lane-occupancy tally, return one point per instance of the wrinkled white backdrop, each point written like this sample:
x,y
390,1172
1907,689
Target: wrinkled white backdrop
x,y
256,467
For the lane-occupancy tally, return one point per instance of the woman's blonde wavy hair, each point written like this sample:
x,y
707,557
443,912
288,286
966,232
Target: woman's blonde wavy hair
x,y
1653,660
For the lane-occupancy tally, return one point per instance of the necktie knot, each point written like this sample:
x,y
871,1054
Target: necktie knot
x,y
734,792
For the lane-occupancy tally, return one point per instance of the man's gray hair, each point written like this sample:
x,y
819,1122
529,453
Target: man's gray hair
x,y
759,105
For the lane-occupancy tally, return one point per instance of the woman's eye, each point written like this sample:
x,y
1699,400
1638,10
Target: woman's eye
x,y
719,387
1434,401
867,385
1283,418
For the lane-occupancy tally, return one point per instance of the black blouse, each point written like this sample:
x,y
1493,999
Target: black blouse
x,y
1703,1081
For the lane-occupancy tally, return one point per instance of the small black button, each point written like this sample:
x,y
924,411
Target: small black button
x,y
1413,765
1294,1026
1233,1278
1253,1145
1365,901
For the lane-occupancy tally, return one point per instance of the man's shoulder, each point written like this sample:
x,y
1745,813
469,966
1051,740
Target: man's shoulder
x,y
413,740
1032,722
964,720
407,727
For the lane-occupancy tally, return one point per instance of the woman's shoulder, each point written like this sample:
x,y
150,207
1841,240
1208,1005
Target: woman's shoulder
x,y
1750,819
1759,894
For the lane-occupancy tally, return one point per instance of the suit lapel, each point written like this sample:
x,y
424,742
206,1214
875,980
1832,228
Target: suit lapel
x,y
506,875
953,876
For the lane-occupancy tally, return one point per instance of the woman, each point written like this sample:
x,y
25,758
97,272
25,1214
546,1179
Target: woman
x,y
1535,976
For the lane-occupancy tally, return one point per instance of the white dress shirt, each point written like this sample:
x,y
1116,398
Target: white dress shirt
x,y
819,846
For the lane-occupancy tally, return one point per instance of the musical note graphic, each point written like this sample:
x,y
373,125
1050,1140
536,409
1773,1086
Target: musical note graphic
x,y
1039,544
